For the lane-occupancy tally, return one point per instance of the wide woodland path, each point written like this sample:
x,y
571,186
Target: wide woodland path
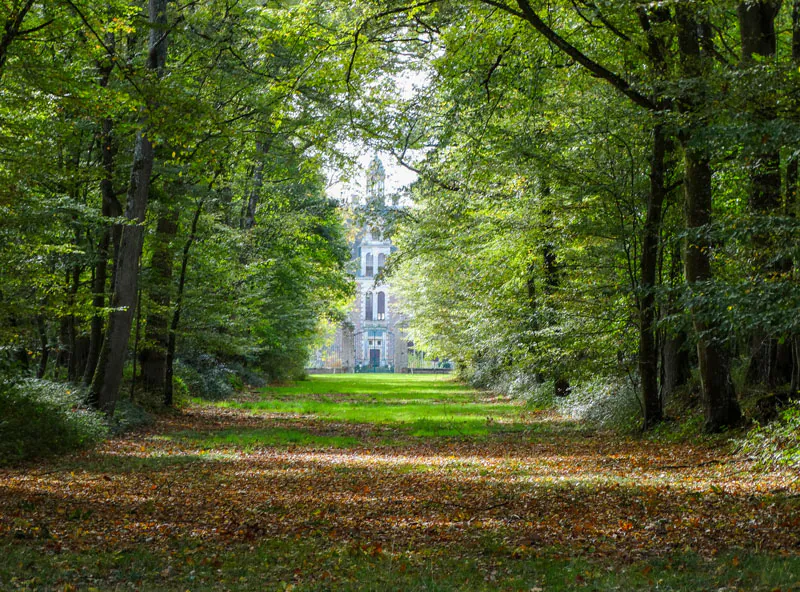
x,y
394,482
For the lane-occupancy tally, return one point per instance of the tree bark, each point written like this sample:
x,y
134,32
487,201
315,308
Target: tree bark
x,y
108,376
561,386
675,367
110,208
153,357
249,218
648,347
44,348
791,200
675,352
768,360
76,351
176,315
652,395
63,351
719,398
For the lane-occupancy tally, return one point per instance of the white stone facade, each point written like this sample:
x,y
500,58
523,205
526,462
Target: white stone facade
x,y
374,338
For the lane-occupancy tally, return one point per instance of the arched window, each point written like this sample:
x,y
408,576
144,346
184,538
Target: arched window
x,y
381,306
369,265
368,307
381,261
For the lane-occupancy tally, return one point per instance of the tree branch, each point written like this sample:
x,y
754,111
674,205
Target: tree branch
x,y
527,13
608,24
34,29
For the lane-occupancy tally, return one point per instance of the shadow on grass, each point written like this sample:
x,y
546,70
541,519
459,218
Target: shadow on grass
x,y
317,565
123,464
248,439
454,419
444,514
375,388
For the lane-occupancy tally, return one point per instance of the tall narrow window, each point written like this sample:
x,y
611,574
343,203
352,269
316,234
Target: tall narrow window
x,y
381,306
369,265
368,307
381,261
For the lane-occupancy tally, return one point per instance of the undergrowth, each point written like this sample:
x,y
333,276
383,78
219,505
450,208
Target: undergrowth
x,y
776,443
42,418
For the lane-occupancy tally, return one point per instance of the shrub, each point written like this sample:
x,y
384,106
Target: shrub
x,y
247,375
604,403
128,415
180,392
487,373
41,418
776,443
206,377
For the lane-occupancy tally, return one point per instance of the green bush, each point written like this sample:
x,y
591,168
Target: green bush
x,y
128,415
180,392
247,375
776,443
206,377
605,403
41,418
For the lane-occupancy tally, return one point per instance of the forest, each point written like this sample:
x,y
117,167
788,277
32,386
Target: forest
x,y
602,238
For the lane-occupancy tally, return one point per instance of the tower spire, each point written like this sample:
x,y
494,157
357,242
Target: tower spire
x,y
376,177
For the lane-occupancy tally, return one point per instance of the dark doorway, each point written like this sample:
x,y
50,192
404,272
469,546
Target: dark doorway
x,y
374,358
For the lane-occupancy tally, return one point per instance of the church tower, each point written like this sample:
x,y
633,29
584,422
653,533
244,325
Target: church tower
x,y
376,178
374,338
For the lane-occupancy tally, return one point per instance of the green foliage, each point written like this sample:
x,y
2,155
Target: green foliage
x,y
207,378
604,403
181,391
242,127
130,416
777,443
41,418
524,252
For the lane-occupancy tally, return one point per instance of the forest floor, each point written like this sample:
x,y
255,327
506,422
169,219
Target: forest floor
x,y
394,482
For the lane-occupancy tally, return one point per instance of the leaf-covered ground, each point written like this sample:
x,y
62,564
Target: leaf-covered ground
x,y
389,482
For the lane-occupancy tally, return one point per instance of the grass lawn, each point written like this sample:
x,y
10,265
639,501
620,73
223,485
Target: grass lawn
x,y
418,405
394,482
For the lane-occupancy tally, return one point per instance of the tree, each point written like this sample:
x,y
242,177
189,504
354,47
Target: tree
x,y
108,374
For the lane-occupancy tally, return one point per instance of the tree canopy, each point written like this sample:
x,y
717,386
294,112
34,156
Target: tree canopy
x,y
603,190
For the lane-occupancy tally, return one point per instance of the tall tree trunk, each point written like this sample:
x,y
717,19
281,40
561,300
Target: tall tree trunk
x,y
262,149
561,386
719,398
67,330
110,234
176,315
77,341
108,376
648,347
675,360
791,199
757,29
98,301
44,347
652,395
76,356
153,357
675,365
110,208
